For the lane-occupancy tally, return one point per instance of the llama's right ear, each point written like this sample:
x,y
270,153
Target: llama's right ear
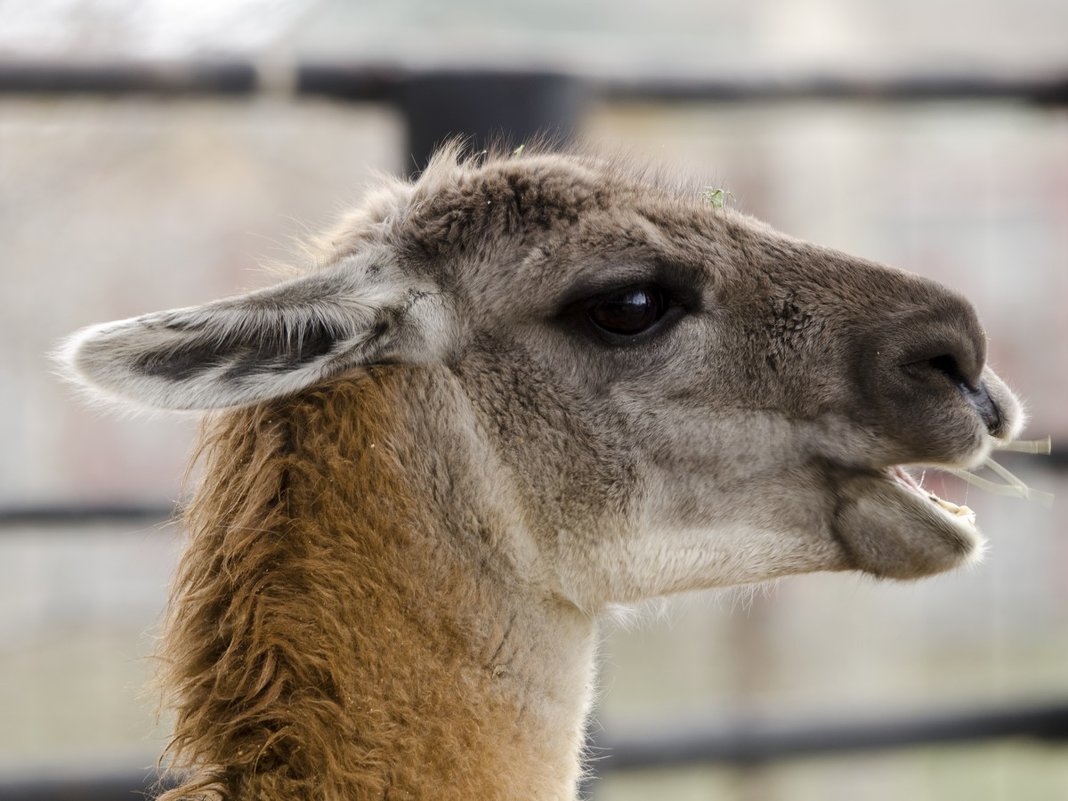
x,y
267,343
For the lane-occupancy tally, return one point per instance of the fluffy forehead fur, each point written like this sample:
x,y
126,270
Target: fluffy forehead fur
x,y
484,223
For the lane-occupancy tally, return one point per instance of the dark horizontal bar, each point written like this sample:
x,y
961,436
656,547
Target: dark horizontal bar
x,y
339,81
76,514
124,78
363,81
130,785
751,742
739,745
84,514
1051,89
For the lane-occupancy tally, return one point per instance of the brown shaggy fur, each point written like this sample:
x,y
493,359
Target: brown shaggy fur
x,y
315,647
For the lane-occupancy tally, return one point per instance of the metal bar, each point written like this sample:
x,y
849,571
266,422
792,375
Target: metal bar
x,y
748,742
1050,89
127,77
365,81
743,744
132,785
77,514
352,82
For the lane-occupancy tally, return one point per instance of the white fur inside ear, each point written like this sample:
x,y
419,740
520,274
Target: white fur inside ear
x,y
261,345
96,381
151,361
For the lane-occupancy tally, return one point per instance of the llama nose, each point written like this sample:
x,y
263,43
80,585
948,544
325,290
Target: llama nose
x,y
976,393
925,353
946,343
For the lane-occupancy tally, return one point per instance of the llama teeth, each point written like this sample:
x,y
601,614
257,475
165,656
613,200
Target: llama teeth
x,y
957,511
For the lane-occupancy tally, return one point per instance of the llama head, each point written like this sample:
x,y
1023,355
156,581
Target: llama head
x,y
682,397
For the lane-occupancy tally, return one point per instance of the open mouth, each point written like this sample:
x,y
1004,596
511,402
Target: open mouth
x,y
887,523
1009,484
900,476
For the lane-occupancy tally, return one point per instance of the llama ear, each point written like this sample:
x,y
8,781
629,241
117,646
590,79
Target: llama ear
x,y
261,345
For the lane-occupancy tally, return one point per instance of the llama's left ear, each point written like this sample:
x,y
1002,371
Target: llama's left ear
x,y
267,343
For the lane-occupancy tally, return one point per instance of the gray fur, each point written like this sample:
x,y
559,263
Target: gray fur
x,y
749,437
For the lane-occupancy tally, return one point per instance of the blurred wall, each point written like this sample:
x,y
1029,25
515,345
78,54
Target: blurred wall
x,y
109,209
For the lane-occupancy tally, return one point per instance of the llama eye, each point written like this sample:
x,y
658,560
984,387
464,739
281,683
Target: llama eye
x,y
628,312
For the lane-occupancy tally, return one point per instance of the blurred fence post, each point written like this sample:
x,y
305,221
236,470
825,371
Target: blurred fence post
x,y
487,108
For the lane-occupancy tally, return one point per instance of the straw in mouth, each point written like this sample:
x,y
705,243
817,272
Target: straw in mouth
x,y
1009,485
1012,485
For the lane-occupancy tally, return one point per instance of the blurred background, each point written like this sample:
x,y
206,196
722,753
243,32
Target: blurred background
x,y
928,134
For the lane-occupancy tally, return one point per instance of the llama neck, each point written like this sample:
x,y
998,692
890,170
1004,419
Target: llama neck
x,y
351,623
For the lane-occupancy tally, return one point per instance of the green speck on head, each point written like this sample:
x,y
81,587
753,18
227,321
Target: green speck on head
x,y
716,197
518,151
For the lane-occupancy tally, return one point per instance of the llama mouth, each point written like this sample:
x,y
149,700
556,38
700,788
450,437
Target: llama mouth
x,y
888,525
958,513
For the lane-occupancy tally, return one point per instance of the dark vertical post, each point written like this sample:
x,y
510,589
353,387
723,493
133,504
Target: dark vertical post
x,y
487,108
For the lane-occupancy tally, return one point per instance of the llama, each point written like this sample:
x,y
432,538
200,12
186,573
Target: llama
x,y
510,394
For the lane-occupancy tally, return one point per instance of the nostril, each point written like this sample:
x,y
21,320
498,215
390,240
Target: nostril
x,y
984,404
975,392
946,364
